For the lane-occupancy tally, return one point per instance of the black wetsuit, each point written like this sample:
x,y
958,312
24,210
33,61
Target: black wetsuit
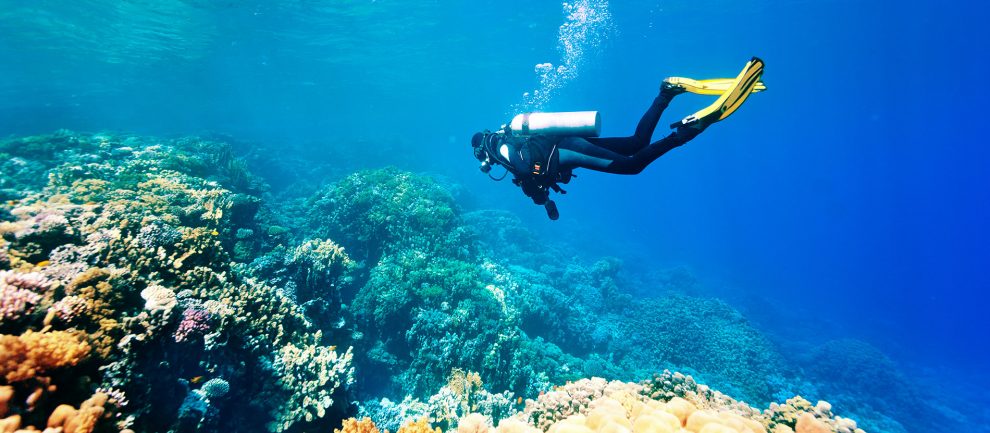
x,y
623,155
540,163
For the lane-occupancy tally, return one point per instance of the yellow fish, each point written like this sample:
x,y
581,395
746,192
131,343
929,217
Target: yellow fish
x,y
196,379
42,263
215,233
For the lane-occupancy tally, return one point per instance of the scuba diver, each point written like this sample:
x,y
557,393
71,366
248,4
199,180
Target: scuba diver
x,y
541,150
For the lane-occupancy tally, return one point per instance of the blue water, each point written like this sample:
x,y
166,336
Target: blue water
x,y
850,200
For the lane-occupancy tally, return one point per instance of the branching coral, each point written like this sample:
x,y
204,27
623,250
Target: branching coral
x,y
312,375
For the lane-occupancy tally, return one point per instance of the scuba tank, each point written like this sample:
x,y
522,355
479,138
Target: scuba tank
x,y
570,123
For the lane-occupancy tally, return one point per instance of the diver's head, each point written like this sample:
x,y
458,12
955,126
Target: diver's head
x,y
476,139
480,153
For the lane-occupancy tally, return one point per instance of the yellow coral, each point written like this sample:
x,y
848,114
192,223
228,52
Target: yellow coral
x,y
681,408
464,383
420,426
82,420
354,425
6,393
621,411
512,425
33,353
807,423
64,418
473,423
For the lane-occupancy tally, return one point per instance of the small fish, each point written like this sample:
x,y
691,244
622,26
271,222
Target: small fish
x,y
333,347
215,233
519,400
196,379
42,263
11,202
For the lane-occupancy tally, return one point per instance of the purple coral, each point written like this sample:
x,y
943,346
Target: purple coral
x,y
195,321
45,224
156,235
26,280
69,307
19,293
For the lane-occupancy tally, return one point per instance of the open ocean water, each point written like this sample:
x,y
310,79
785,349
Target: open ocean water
x,y
843,215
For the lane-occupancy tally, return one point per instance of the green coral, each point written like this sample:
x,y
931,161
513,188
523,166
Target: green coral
x,y
387,209
708,336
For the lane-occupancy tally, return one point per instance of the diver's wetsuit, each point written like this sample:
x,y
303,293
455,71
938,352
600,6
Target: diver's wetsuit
x,y
624,155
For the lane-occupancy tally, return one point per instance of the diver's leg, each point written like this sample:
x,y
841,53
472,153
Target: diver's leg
x,y
576,152
644,130
638,161
580,153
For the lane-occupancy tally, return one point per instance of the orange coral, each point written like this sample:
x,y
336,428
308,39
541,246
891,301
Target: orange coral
x,y
421,426
10,424
354,425
64,418
33,353
82,420
807,423
6,393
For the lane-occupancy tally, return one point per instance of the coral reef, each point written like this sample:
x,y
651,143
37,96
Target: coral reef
x,y
669,403
136,242
154,285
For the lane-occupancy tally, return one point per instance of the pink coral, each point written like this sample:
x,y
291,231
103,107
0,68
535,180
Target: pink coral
x,y
194,322
26,280
69,307
18,293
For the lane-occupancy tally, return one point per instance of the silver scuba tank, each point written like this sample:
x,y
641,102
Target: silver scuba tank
x,y
570,123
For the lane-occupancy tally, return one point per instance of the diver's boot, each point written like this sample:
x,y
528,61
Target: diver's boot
x,y
670,89
732,98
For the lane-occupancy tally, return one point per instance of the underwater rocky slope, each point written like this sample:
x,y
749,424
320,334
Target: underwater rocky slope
x,y
157,285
